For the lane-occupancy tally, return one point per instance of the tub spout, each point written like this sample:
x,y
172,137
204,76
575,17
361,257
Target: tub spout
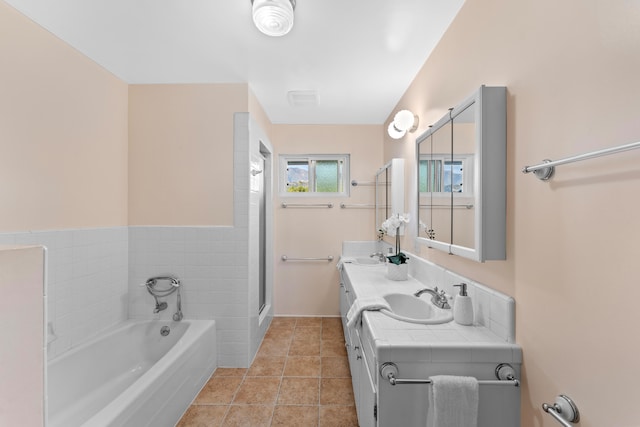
x,y
159,307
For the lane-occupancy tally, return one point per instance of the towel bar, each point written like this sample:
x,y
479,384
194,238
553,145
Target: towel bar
x,y
504,373
327,258
307,205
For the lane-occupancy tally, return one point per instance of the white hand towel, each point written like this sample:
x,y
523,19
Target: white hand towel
x,y
453,402
361,304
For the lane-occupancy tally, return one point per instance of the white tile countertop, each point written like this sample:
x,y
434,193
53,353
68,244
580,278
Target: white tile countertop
x,y
447,343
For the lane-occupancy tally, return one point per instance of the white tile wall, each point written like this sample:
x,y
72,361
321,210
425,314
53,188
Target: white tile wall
x,y
87,281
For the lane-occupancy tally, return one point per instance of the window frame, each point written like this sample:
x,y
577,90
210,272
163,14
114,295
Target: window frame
x,y
285,159
467,171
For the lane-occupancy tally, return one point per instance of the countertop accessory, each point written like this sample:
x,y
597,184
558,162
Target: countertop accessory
x,y
564,410
463,307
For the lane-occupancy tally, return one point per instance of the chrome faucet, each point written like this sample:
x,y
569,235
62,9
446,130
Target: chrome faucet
x,y
160,306
438,298
380,256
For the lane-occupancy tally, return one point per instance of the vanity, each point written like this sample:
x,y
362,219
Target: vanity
x,y
382,343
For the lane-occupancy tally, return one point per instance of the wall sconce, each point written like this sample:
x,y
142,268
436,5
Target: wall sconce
x,y
273,17
404,121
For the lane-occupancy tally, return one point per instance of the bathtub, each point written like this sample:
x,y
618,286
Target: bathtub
x,y
132,376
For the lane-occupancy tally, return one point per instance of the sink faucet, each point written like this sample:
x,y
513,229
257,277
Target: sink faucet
x,y
380,256
438,298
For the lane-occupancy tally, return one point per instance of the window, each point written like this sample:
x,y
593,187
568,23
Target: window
x,y
439,173
315,174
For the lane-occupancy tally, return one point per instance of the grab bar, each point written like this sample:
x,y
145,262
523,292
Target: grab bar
x,y
355,183
356,206
504,373
328,258
544,171
467,206
307,205
564,410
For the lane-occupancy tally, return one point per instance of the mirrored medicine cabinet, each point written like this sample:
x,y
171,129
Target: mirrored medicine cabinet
x,y
389,191
461,163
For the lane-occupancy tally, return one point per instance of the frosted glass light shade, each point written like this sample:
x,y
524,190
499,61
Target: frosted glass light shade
x,y
273,17
394,132
404,120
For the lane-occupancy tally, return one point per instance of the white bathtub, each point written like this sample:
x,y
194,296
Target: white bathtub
x,y
132,376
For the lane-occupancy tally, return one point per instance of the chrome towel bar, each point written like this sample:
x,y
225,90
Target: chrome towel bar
x,y
328,258
544,171
307,205
504,373
563,410
355,183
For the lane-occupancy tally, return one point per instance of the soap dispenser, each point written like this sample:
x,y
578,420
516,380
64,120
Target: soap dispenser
x,y
463,307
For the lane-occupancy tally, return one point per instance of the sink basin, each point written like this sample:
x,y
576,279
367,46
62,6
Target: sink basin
x,y
412,309
366,261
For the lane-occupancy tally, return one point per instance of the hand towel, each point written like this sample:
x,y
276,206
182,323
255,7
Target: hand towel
x,y
361,304
453,402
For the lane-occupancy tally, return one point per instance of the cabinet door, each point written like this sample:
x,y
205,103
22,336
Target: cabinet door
x,y
367,405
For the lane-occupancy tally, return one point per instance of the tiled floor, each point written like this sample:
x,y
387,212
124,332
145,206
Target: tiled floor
x,y
300,377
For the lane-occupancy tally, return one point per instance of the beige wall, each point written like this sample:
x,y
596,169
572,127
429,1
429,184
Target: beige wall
x,y
181,153
571,69
311,288
63,133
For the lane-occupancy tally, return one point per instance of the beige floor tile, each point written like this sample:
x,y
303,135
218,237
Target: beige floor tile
x,y
335,367
307,333
299,391
338,416
332,321
336,391
295,416
274,347
279,333
203,416
302,366
267,366
248,416
304,348
218,390
258,390
331,348
308,321
230,372
333,333
283,323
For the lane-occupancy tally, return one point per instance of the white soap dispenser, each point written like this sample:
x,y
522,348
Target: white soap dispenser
x,y
463,307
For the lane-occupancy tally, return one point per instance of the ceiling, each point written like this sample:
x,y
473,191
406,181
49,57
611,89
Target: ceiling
x,y
359,56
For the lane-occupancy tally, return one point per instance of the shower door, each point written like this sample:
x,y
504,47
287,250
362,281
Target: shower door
x,y
262,239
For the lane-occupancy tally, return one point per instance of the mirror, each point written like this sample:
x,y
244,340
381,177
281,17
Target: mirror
x,y
462,179
389,191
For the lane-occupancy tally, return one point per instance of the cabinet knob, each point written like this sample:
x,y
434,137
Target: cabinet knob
x,y
358,357
356,347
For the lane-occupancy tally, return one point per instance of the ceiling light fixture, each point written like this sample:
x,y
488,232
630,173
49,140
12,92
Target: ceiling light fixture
x,y
404,121
273,17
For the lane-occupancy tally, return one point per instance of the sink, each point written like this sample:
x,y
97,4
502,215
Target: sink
x,y
412,309
366,261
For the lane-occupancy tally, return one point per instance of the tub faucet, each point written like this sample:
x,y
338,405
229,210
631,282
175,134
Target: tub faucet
x,y
438,298
160,306
380,256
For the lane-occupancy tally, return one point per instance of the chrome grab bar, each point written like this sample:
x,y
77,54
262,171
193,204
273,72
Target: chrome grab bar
x,y
307,205
356,206
504,373
328,258
564,410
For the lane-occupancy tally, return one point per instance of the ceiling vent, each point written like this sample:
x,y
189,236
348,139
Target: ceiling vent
x,y
303,98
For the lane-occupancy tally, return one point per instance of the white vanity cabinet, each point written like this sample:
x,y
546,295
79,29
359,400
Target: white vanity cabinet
x,y
420,351
360,361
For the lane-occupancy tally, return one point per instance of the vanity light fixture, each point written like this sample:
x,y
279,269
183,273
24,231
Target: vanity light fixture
x,y
273,17
404,121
